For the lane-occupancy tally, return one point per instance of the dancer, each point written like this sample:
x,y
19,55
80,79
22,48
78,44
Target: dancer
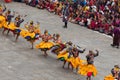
x,y
59,46
17,22
70,55
75,60
30,34
89,69
65,54
45,44
9,17
115,74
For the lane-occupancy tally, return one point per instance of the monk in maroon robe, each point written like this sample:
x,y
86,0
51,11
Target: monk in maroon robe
x,y
116,37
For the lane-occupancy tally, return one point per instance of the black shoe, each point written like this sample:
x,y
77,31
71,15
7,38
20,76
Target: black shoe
x,y
112,45
117,47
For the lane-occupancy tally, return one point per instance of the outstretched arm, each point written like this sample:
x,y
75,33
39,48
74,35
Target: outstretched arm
x,y
81,51
54,38
4,8
97,53
22,20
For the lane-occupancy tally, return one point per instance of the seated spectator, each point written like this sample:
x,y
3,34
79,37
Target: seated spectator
x,y
27,1
51,7
47,5
33,3
41,4
58,9
92,24
76,20
106,28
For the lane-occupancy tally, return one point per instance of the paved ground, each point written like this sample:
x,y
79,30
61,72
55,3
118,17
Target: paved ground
x,y
19,62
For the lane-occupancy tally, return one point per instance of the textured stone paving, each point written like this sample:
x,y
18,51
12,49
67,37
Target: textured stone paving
x,y
19,62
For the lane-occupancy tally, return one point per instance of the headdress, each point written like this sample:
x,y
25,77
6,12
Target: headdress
x,y
57,35
116,66
31,22
46,31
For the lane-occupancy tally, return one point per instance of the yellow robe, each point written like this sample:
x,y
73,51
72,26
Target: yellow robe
x,y
25,33
109,77
43,45
12,26
85,69
76,62
63,54
2,21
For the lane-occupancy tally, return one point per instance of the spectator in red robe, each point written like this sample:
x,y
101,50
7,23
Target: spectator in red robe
x,y
51,7
116,37
92,24
41,4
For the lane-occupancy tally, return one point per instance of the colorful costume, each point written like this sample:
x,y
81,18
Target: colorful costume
x,y
11,26
32,32
2,21
115,74
88,70
28,35
109,77
76,62
58,45
44,45
63,56
57,48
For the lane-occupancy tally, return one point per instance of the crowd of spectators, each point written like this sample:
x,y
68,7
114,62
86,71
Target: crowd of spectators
x,y
98,15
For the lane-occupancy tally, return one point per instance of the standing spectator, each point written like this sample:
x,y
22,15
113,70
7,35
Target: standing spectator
x,y
65,14
116,37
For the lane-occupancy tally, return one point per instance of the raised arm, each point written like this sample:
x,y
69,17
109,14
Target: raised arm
x,y
22,20
81,51
4,8
96,54
13,14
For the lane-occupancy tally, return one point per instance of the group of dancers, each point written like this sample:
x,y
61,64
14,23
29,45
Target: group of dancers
x,y
66,52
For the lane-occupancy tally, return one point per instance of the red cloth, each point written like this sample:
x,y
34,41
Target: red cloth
x,y
77,19
106,27
47,5
7,1
91,2
52,7
93,24
89,74
102,7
